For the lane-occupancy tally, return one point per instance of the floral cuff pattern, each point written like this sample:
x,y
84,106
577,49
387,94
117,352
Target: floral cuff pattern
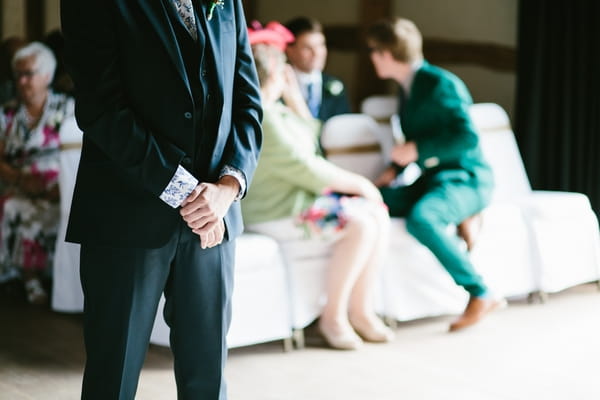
x,y
239,176
179,188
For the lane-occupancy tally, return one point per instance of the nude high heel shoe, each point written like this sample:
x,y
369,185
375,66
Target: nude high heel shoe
x,y
374,331
343,340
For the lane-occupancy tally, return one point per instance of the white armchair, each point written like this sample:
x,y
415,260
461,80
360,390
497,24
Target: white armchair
x,y
530,241
351,138
562,226
261,310
67,295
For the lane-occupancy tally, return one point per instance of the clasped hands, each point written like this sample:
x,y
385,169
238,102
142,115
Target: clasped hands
x,y
203,210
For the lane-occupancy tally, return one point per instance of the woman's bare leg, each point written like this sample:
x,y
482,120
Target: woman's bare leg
x,y
362,309
350,255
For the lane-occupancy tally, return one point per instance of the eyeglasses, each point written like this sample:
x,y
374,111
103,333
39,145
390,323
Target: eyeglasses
x,y
25,73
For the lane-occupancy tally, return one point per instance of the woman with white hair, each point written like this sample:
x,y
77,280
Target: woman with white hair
x,y
29,168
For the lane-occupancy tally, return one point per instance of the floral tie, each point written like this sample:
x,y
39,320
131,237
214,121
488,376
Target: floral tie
x,y
186,12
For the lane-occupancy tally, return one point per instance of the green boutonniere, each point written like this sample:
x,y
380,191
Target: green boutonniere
x,y
214,4
334,87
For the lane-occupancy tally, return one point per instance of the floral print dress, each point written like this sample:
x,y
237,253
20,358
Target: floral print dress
x,y
28,226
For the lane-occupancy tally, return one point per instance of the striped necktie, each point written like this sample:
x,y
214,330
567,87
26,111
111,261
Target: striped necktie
x,y
185,9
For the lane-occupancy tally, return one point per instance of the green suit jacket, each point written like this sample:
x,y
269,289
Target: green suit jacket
x,y
436,118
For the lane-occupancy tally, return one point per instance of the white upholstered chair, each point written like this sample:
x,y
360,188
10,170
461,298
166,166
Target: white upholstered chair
x,y
381,108
261,310
353,142
562,225
530,240
67,295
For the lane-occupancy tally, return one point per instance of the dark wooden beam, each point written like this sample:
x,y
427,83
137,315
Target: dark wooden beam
x,y
2,35
367,82
35,10
438,51
343,37
489,55
249,10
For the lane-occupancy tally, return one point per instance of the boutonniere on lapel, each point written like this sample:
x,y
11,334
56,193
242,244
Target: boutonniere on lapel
x,y
214,4
334,87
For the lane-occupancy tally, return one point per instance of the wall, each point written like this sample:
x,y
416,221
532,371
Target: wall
x,y
342,64
13,18
52,18
491,21
13,14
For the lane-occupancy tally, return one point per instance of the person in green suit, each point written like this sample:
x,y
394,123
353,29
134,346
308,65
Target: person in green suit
x,y
456,181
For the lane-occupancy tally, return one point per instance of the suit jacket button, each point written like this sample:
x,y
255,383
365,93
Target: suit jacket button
x,y
188,115
186,161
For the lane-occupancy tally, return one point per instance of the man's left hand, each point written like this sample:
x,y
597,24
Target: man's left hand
x,y
404,154
205,208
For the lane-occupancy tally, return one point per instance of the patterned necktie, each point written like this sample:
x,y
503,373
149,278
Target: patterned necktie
x,y
186,12
312,100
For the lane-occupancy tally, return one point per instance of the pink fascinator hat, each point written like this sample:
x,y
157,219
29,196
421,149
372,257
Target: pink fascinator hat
x,y
273,34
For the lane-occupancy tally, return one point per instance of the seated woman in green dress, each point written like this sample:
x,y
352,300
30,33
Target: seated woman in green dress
x,y
295,188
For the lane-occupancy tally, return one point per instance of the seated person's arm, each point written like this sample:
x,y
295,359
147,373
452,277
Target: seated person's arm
x,y
308,170
292,95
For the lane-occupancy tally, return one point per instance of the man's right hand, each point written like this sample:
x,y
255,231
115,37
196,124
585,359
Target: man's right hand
x,y
205,208
386,177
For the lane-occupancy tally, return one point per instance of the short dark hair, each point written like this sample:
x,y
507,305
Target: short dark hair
x,y
300,25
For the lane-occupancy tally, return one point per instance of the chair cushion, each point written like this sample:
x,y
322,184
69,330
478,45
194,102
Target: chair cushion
x,y
557,204
255,252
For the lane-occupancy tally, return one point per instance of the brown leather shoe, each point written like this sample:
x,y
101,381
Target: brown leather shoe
x,y
477,308
469,229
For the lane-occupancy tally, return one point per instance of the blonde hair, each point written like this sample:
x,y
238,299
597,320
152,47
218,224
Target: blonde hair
x,y
267,59
398,35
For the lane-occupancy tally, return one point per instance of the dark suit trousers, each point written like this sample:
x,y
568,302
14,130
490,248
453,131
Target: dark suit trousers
x,y
122,288
429,207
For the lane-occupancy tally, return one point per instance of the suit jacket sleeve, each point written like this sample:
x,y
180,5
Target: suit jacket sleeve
x,y
453,133
245,141
102,110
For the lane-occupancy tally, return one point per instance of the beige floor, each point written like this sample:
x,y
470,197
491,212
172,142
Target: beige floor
x,y
526,352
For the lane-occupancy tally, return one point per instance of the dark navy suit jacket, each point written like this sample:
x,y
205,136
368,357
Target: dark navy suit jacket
x,y
137,112
334,100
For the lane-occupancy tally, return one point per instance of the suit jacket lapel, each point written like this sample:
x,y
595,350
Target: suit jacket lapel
x,y
213,33
410,112
159,19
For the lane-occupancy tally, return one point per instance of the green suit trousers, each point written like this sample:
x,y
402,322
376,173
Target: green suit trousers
x,y
429,206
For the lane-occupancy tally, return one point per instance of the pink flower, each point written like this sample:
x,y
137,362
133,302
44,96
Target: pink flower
x,y
50,135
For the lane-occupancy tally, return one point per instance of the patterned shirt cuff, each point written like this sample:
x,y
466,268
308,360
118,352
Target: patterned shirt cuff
x,y
238,175
179,188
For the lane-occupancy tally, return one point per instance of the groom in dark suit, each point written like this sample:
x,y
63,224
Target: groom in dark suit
x,y
168,100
